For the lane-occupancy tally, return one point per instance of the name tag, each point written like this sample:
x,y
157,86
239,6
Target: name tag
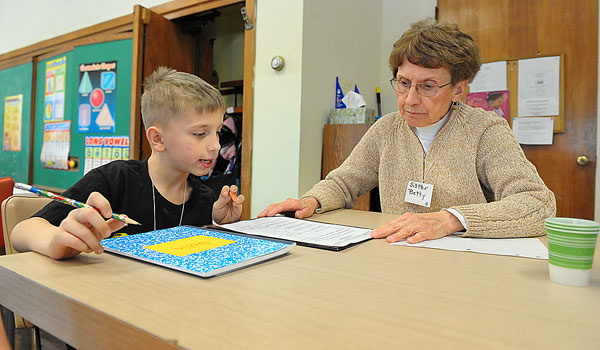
x,y
418,193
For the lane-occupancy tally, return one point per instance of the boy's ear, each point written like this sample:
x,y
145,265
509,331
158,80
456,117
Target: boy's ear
x,y
154,136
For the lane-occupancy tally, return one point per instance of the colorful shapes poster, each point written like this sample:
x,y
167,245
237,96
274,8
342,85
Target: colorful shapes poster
x,y
13,116
496,101
97,97
54,93
100,150
56,145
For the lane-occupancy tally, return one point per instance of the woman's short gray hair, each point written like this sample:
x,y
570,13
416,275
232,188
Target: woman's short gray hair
x,y
431,44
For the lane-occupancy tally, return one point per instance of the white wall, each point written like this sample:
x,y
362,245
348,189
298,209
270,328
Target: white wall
x,y
277,105
339,39
319,41
397,17
23,23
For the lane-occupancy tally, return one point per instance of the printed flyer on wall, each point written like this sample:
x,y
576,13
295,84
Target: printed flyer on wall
x,y
97,97
13,119
54,95
56,145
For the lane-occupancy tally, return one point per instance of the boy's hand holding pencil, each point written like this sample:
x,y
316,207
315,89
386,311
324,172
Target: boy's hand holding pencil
x,y
84,228
88,225
228,207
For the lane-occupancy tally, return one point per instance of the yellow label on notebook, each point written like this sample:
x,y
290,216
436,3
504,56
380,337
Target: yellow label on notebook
x,y
190,245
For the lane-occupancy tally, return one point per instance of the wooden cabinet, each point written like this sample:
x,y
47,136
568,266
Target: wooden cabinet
x,y
338,141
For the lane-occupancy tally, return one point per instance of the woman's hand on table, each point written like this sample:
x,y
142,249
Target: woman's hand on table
x,y
303,208
418,227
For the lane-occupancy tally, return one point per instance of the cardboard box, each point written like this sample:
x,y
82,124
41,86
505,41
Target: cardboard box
x,y
361,115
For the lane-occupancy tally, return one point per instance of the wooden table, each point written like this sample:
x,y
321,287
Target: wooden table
x,y
371,296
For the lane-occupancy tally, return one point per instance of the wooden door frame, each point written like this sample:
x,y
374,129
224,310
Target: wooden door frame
x,y
248,109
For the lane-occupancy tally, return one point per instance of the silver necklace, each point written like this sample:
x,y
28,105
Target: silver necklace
x,y
154,199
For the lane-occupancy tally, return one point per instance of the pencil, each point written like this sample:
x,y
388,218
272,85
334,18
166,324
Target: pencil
x,y
71,202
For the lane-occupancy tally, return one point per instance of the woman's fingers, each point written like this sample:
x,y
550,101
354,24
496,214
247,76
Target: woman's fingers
x,y
416,228
390,227
289,204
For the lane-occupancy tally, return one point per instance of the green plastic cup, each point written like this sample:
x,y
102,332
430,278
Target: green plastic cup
x,y
571,246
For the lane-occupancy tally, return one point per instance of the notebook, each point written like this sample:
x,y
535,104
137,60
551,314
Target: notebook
x,y
199,251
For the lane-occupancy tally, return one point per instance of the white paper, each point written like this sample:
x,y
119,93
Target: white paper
x,y
534,131
353,100
521,247
301,231
539,85
491,77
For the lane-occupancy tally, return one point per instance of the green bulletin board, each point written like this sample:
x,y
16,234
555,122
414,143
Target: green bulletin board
x,y
16,81
120,51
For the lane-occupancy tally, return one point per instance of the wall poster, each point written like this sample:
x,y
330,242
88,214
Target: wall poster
x,y
56,145
97,97
13,119
100,150
496,101
54,93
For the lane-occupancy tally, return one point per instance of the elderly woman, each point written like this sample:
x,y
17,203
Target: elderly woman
x,y
445,167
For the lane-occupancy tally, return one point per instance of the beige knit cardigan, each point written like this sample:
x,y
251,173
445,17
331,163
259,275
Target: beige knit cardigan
x,y
474,163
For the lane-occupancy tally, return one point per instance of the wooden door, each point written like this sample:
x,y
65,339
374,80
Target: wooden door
x,y
512,29
156,42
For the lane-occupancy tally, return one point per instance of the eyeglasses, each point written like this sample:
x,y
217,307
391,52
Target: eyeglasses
x,y
424,89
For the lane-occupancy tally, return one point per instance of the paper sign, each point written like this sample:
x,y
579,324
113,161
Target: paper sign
x,y
534,131
539,85
491,77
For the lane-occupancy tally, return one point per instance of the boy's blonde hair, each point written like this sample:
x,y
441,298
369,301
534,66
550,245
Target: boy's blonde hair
x,y
169,93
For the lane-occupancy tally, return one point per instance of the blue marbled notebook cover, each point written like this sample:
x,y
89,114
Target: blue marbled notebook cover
x,y
244,251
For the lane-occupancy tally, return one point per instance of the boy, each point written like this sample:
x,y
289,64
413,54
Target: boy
x,y
182,115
